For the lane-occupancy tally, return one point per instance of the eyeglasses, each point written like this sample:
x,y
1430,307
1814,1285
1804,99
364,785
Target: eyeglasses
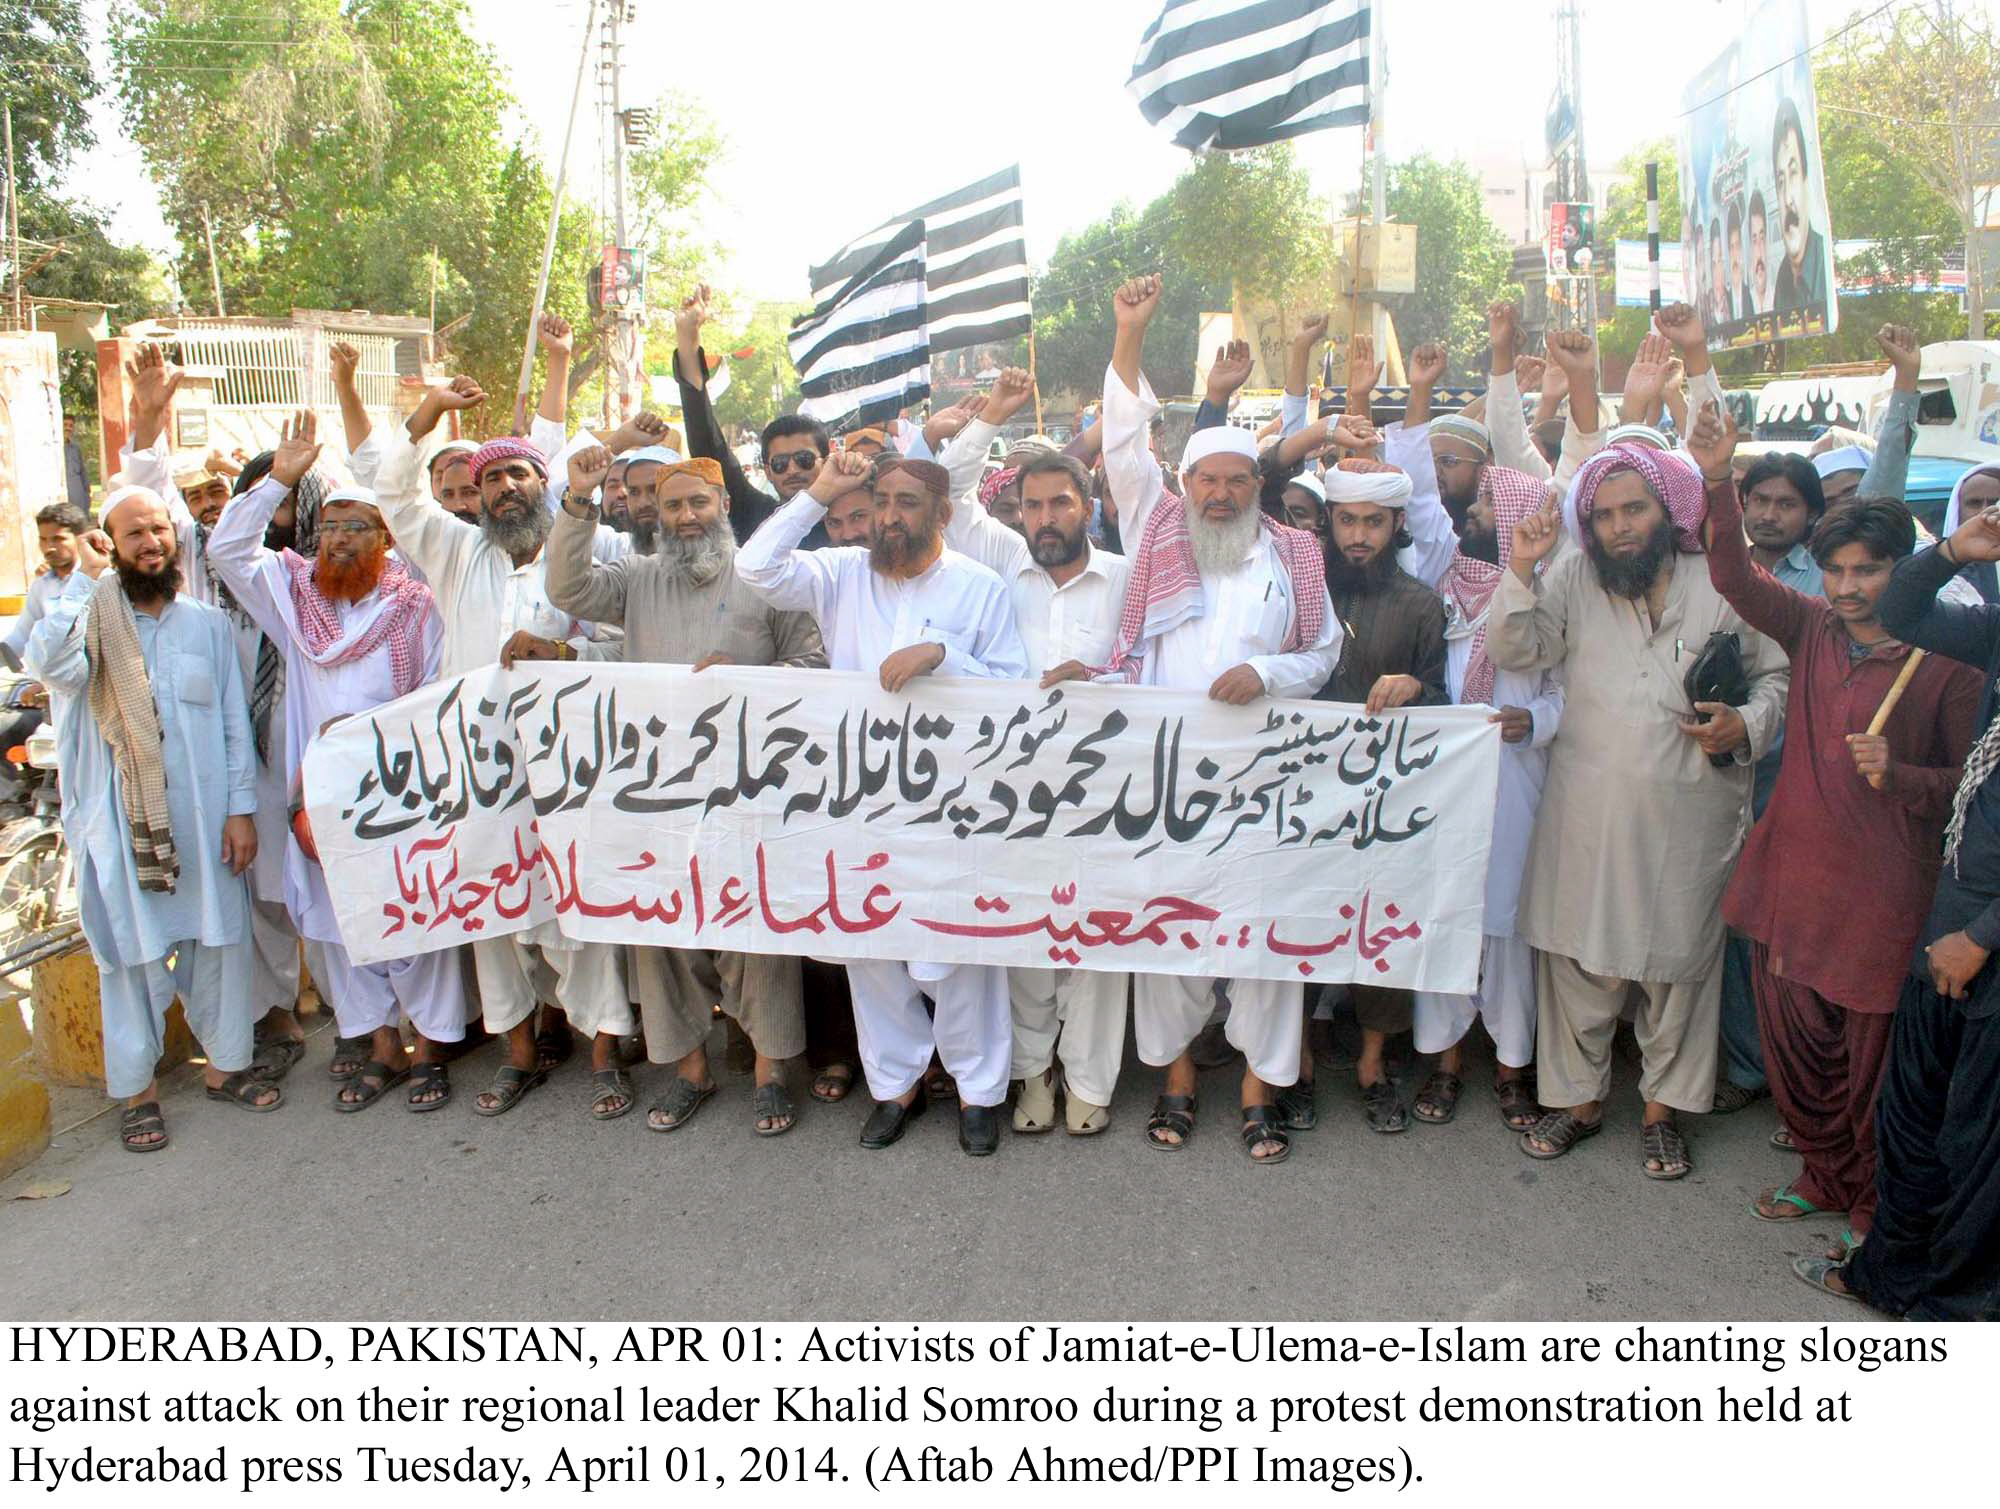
x,y
348,527
803,460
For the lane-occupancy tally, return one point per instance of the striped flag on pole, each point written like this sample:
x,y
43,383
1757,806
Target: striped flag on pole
x,y
1244,73
976,270
863,354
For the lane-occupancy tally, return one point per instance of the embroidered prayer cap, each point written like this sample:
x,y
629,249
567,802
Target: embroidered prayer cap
x,y
933,478
350,492
1458,427
1219,440
125,494
1309,482
869,436
654,455
1846,458
1361,480
509,448
707,468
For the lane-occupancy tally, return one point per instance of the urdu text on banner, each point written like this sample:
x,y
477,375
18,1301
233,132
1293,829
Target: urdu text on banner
x,y
771,810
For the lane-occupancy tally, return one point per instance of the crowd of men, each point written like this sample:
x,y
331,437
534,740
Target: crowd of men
x,y
1726,688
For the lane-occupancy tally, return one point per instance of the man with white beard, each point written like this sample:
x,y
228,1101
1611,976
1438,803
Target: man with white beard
x,y
680,604
1221,599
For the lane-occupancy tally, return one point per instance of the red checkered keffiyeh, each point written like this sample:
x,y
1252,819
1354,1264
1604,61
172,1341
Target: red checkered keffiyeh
x,y
1470,583
1164,590
996,484
1674,479
400,624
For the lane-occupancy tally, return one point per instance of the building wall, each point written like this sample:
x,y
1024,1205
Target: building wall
x,y
31,470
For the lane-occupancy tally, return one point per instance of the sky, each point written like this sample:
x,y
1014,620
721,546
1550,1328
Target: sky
x,y
840,115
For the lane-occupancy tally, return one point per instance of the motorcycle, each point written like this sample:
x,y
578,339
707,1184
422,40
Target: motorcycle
x,y
37,871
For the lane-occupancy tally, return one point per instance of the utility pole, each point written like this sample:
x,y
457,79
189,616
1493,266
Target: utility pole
x,y
14,221
214,272
1571,165
619,328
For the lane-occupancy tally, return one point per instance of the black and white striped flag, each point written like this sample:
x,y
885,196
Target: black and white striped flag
x,y
863,354
977,262
1245,73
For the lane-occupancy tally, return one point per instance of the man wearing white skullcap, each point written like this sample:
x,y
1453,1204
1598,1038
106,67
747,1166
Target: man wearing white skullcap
x,y
1225,600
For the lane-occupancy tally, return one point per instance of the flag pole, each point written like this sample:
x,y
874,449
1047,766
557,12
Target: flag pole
x,y
1034,386
555,213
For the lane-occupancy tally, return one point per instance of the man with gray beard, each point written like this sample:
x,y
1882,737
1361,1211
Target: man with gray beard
x,y
682,605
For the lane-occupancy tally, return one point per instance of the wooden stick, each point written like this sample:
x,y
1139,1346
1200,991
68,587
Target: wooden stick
x,y
1895,694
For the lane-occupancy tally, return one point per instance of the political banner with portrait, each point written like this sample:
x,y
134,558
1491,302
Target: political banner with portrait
x,y
769,810
1756,242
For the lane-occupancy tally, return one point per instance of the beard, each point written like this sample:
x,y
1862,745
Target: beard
x,y
644,534
697,559
1482,544
1346,579
894,553
519,534
1220,548
1630,576
1051,548
350,580
281,536
143,587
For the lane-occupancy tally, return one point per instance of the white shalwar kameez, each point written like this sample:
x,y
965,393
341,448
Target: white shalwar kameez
x,y
484,599
365,996
274,942
203,922
865,617
1246,617
1079,1011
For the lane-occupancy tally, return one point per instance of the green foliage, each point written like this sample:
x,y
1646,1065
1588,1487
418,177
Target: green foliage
x,y
1073,323
1249,219
49,87
1463,260
349,150
764,385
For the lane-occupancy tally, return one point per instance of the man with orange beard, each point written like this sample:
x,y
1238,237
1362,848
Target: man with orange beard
x,y
356,630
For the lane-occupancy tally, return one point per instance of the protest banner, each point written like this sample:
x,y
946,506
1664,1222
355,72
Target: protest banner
x,y
767,810
1756,239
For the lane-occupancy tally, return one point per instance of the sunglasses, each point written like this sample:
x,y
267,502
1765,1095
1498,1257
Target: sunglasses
x,y
803,460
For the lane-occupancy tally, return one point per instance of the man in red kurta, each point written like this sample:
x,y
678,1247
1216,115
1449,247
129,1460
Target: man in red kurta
x,y
1836,878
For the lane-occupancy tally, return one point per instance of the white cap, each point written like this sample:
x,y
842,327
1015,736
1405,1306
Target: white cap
x,y
1309,482
1219,440
350,493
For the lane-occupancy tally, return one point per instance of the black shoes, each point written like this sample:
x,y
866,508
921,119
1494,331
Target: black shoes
x,y
888,1121
979,1130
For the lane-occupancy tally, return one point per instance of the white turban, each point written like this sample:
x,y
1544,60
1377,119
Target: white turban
x,y
1219,440
1390,486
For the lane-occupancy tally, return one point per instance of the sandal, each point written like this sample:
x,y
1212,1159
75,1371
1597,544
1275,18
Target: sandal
x,y
1263,1126
275,1056
1518,1107
674,1109
553,1047
772,1103
1661,1142
349,1054
1437,1101
611,1094
509,1085
140,1121
1782,1140
1561,1131
374,1081
1384,1104
1175,1114
1785,1195
832,1083
243,1087
1296,1106
1730,1098
1815,1271
1845,1245
432,1082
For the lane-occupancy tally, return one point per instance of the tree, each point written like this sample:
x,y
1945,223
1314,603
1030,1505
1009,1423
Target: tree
x,y
346,149
1249,220
1910,139
1463,260
50,85
762,385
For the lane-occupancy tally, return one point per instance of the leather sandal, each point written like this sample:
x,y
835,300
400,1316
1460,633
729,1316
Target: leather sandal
x,y
137,1121
1264,1126
1561,1131
1171,1113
